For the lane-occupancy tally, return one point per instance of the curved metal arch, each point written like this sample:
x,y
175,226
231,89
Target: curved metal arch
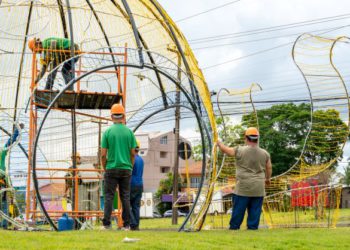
x,y
71,83
311,98
134,29
178,45
22,59
102,30
251,101
147,103
161,87
311,112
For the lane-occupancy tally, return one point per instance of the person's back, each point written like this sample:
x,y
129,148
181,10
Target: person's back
x,y
60,43
119,140
136,190
251,164
137,172
253,171
117,158
60,49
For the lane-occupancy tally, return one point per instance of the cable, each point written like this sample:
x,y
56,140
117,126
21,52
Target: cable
x,y
274,28
258,52
207,11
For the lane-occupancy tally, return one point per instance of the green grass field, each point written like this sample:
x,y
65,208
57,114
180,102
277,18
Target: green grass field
x,y
160,234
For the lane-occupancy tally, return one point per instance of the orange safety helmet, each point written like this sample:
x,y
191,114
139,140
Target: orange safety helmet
x,y
117,109
252,132
32,43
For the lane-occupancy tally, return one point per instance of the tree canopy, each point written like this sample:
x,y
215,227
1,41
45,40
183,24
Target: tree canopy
x,y
283,130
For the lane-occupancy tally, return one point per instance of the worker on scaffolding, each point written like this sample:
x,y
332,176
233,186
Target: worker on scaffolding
x,y
253,173
136,190
69,187
117,156
54,52
69,181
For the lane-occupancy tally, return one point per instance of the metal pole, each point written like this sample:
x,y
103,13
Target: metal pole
x,y
176,143
73,116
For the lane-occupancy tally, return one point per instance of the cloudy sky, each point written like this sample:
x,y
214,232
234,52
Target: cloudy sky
x,y
248,15
250,41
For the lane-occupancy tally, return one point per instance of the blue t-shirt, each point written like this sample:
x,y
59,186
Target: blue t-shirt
x,y
137,172
12,139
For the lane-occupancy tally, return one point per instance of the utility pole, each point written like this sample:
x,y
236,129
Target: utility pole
x,y
176,141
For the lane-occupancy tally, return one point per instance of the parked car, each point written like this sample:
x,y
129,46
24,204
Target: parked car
x,y
229,211
169,213
156,215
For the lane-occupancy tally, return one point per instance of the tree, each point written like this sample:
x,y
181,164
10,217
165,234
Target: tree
x,y
284,129
166,187
232,135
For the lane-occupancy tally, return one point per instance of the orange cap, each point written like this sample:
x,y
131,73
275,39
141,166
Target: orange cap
x,y
32,43
117,109
252,131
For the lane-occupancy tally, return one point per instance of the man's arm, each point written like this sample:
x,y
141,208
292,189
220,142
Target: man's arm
x,y
104,158
132,156
225,149
268,172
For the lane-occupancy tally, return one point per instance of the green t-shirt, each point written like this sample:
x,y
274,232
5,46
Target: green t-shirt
x,y
119,140
3,153
61,43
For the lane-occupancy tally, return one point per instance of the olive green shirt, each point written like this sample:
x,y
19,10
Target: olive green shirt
x,y
250,172
119,140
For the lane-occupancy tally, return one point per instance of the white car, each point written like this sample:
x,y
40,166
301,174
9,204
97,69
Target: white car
x,y
169,213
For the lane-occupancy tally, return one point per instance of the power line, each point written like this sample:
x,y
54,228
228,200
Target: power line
x,y
263,39
207,11
262,51
274,28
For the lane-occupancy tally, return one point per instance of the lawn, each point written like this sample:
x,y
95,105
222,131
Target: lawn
x,y
167,239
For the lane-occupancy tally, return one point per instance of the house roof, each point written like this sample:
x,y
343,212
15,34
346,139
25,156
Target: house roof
x,y
194,169
53,189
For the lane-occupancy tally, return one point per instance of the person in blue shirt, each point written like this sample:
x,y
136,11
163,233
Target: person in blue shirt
x,y
14,137
3,175
136,190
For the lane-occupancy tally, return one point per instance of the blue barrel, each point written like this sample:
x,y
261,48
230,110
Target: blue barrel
x,y
65,223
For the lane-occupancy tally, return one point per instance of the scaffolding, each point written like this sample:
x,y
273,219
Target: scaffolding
x,y
71,101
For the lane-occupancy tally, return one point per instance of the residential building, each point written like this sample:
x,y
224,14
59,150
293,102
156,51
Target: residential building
x,y
158,152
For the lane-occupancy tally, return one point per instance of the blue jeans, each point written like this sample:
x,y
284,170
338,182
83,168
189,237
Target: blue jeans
x,y
240,205
3,223
135,203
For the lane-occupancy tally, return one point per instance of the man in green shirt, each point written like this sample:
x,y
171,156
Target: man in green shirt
x,y
54,52
253,172
117,154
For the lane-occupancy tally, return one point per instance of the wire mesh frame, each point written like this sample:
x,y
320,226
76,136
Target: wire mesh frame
x,y
306,71
302,38
165,71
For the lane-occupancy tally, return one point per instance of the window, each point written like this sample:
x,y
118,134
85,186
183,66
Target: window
x,y
195,181
164,170
163,154
164,140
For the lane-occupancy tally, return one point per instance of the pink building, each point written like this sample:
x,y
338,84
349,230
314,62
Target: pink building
x,y
157,150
